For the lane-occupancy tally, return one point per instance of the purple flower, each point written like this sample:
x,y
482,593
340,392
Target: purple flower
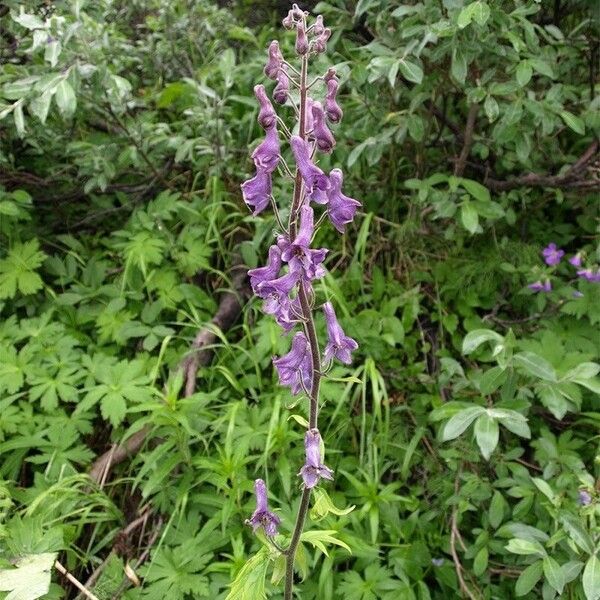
x,y
298,252
584,498
577,294
318,27
262,516
277,288
267,117
274,61
257,191
280,93
275,293
538,286
576,260
320,131
295,367
266,156
269,271
320,43
339,345
552,254
308,117
293,15
315,180
589,275
332,109
341,208
301,39
313,468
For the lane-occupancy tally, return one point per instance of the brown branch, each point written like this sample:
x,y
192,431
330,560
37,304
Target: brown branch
x,y
461,162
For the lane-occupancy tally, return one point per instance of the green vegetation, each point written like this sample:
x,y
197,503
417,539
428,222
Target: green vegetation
x,y
466,432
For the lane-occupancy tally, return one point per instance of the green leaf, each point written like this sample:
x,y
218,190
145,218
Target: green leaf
x,y
481,12
459,65
528,578
475,189
411,71
249,583
576,532
535,365
481,561
525,547
486,433
318,539
544,488
65,98
323,505
17,270
460,421
524,73
469,217
591,578
553,573
573,122
475,338
19,119
30,579
52,52
492,379
492,110
465,16
40,105
585,370
497,507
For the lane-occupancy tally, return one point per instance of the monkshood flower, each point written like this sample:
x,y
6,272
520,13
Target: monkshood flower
x,y
538,286
340,208
257,191
313,469
301,39
339,344
584,498
576,260
267,117
293,16
295,367
277,302
316,182
262,517
280,93
552,254
269,271
267,154
320,131
320,44
332,109
318,27
274,61
298,253
589,275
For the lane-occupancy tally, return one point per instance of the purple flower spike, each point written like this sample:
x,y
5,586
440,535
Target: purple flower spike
x,y
339,345
267,117
301,39
262,517
298,253
576,260
280,93
321,134
269,271
294,368
341,209
552,254
266,156
584,498
332,109
274,61
257,191
313,469
538,286
315,180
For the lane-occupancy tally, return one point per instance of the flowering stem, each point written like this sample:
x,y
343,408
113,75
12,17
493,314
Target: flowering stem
x,y
291,551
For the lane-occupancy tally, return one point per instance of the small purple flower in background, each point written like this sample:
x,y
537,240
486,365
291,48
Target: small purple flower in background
x,y
552,254
340,209
266,156
262,516
584,498
589,275
267,117
577,294
538,286
317,183
313,469
295,367
576,260
274,61
340,345
257,191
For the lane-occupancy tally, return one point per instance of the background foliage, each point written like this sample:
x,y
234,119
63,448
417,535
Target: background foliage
x,y
465,435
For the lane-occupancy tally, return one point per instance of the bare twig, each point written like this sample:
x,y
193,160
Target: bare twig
x,y
459,167
74,581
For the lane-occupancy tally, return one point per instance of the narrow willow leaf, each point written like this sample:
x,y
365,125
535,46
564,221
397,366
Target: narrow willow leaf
x,y
460,421
591,578
486,433
528,578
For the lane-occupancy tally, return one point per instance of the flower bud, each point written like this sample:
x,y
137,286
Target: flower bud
x,y
320,44
332,109
318,27
274,61
301,39
280,93
321,133
267,117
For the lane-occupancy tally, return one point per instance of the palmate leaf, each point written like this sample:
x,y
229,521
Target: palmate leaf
x,y
17,270
30,579
249,583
